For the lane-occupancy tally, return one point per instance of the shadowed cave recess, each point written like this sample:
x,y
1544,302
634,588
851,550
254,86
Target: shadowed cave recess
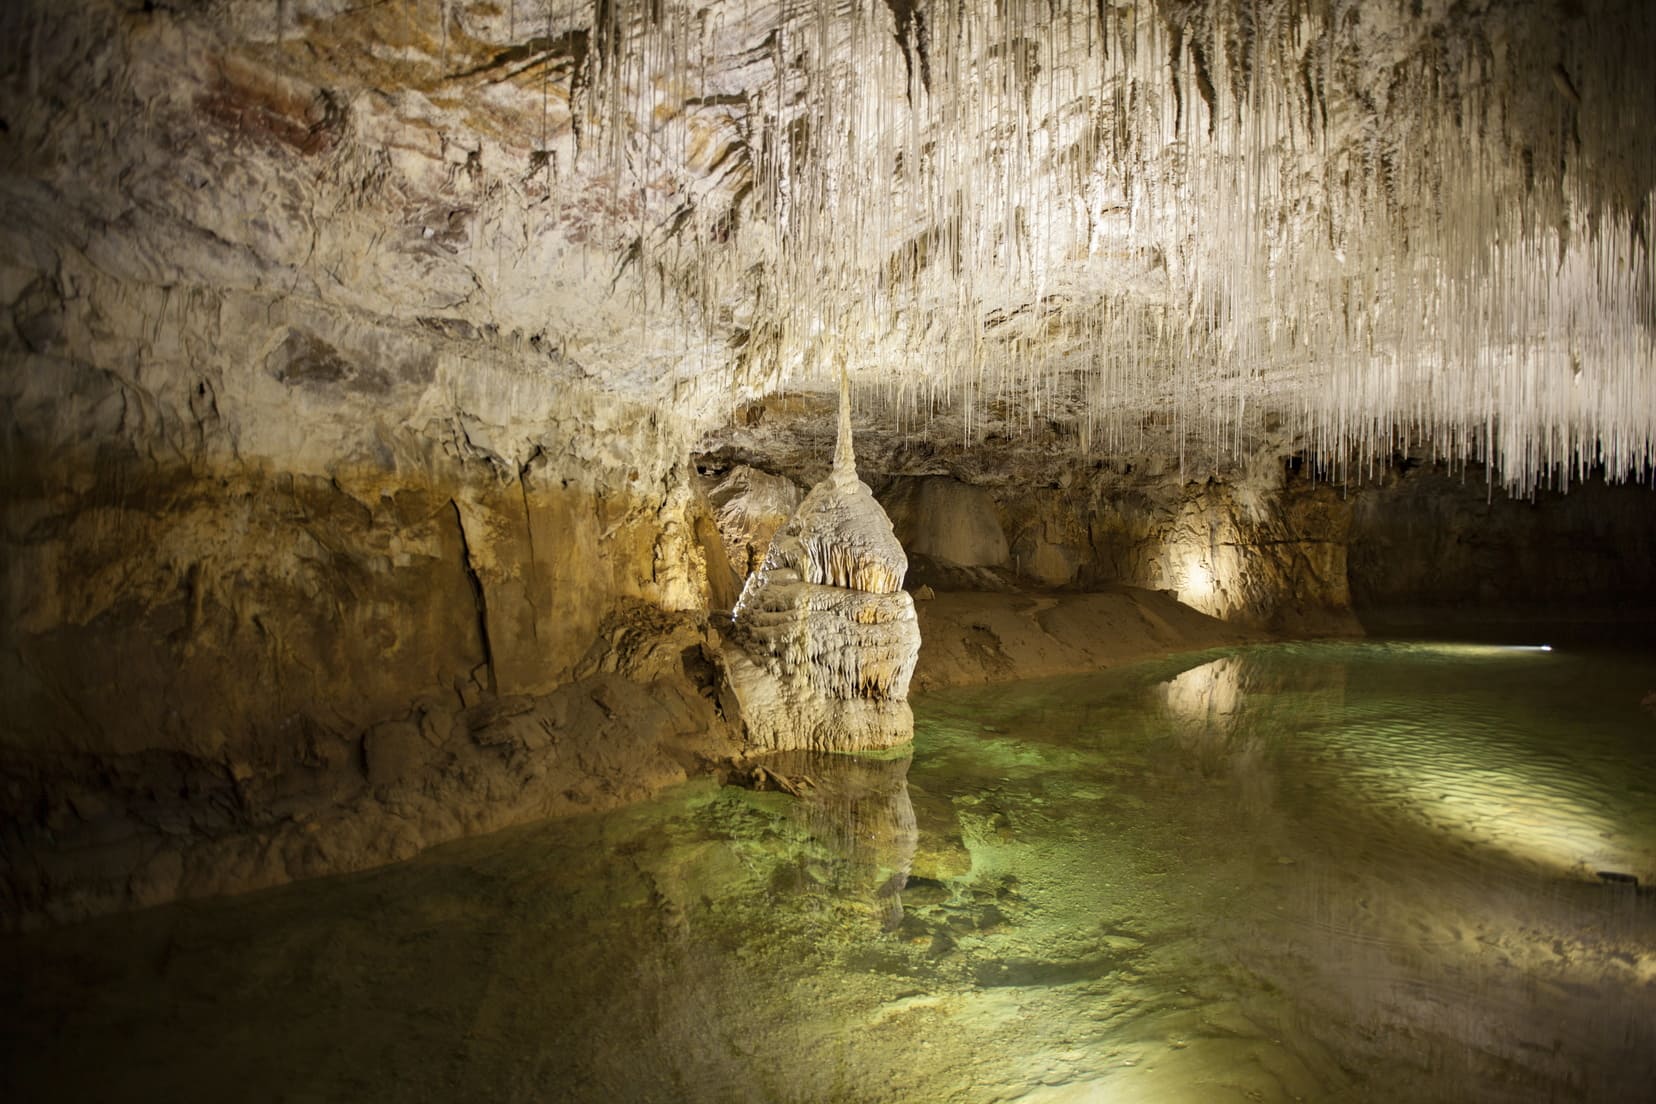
x,y
409,407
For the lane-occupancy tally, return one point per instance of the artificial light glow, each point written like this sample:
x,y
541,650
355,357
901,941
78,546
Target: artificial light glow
x,y
1193,580
1209,694
1522,812
1461,650
1198,583
1491,794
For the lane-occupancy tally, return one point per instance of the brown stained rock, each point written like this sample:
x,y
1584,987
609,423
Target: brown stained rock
x,y
38,315
534,549
123,842
255,675
724,585
255,104
306,360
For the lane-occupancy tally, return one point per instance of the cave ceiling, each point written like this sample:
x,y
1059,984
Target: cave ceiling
x,y
1345,227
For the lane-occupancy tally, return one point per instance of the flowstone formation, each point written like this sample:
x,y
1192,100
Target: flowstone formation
x,y
827,637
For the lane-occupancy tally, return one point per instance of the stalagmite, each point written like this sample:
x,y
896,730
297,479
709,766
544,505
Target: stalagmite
x,y
827,638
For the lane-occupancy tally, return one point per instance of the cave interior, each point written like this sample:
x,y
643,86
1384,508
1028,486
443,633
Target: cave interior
x,y
398,398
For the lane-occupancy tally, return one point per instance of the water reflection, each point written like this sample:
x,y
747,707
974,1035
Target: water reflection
x,y
1309,872
1207,696
1227,718
858,822
1421,747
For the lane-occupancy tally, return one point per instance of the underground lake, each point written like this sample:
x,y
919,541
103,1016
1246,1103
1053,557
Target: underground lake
x,y
1377,870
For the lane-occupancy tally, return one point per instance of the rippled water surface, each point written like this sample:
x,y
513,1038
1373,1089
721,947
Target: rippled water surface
x,y
1343,871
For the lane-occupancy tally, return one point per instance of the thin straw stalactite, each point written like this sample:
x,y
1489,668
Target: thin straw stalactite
x,y
1191,220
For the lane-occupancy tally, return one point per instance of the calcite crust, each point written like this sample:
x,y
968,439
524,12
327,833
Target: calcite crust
x,y
827,638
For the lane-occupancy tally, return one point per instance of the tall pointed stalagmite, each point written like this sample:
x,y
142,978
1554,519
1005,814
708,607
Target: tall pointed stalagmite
x,y
828,637
845,457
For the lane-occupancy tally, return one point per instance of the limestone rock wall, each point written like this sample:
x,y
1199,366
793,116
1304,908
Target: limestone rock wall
x,y
1265,547
1434,540
946,520
220,677
1259,543
321,541
173,605
270,562
749,506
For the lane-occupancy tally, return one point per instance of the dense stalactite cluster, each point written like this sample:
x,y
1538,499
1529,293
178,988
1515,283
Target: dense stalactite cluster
x,y
1371,226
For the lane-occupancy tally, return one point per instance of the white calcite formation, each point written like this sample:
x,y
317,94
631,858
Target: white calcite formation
x,y
828,637
1362,227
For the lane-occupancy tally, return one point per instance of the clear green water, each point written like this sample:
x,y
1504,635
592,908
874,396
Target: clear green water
x,y
1352,871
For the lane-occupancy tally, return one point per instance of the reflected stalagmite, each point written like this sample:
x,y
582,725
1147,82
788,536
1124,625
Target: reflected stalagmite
x,y
856,809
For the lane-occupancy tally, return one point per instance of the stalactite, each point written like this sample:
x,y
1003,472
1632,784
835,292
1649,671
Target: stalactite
x,y
1220,211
